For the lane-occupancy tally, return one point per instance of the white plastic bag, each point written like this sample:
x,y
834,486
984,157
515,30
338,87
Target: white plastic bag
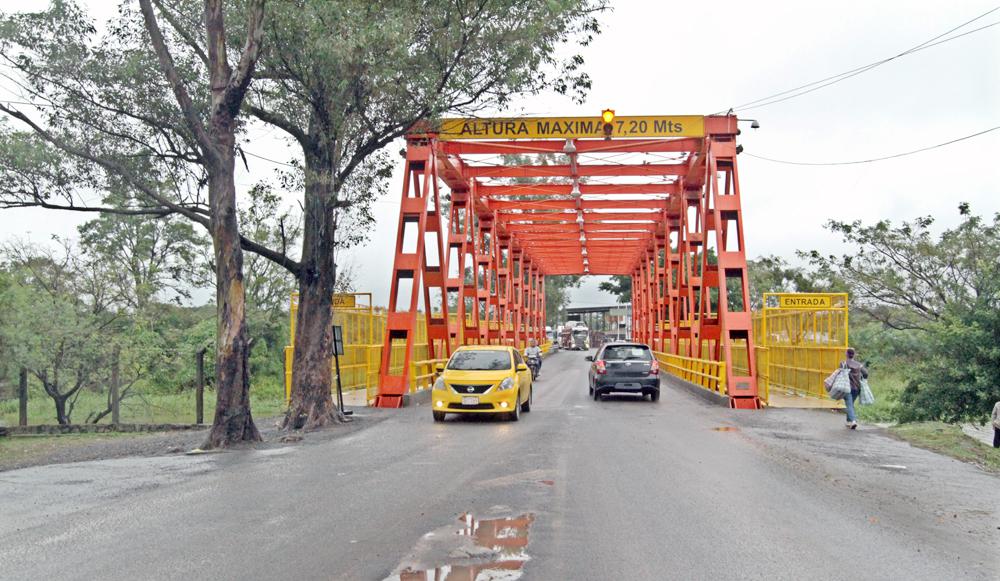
x,y
866,397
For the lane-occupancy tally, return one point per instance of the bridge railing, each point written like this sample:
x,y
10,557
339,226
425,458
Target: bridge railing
x,y
362,328
703,372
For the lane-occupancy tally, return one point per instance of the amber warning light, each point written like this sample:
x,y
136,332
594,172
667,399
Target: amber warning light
x,y
608,115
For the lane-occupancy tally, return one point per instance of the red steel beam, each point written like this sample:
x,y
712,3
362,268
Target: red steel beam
x,y
582,146
665,188
506,206
582,170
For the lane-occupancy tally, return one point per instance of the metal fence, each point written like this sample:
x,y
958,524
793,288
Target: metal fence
x,y
363,328
795,348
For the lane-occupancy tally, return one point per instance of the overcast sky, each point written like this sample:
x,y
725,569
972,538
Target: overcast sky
x,y
698,57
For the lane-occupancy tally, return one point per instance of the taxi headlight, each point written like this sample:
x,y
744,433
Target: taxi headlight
x,y
439,384
506,384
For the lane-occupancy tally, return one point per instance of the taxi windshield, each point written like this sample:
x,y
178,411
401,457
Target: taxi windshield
x,y
491,360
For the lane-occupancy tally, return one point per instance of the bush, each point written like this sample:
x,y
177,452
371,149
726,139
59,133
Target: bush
x,y
959,379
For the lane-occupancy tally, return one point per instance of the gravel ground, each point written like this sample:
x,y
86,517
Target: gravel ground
x,y
77,448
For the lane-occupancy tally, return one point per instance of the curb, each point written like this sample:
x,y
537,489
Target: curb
x,y
707,395
55,429
417,398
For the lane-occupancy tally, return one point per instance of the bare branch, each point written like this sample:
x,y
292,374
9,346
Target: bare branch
x,y
180,91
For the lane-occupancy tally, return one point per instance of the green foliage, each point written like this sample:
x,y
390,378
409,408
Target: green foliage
x,y
143,256
619,285
557,289
884,347
773,274
887,384
928,304
907,277
53,326
959,378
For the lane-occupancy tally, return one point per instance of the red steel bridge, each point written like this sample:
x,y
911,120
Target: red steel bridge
x,y
656,198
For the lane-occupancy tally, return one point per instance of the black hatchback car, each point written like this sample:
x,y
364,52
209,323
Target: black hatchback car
x,y
624,368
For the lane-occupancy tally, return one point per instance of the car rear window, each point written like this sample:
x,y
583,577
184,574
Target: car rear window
x,y
470,360
627,353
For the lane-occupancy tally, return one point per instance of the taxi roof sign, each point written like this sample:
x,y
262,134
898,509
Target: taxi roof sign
x,y
570,127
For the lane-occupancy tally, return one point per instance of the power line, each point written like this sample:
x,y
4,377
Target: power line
x,y
876,158
269,159
825,82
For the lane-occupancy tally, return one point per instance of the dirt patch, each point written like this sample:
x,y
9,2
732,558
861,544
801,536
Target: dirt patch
x,y
39,450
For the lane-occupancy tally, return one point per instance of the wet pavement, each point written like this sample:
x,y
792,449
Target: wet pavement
x,y
578,489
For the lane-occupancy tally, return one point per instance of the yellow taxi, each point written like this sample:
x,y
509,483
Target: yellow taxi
x,y
483,379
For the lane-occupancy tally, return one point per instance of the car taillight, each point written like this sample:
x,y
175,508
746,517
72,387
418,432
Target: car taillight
x,y
654,367
599,367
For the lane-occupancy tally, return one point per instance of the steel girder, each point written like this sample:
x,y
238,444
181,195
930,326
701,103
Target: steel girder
x,y
673,224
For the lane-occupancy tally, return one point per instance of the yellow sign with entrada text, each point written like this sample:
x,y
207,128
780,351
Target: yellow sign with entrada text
x,y
571,127
344,301
804,301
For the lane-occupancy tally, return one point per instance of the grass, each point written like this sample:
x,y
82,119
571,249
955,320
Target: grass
x,y
949,439
176,408
886,389
15,450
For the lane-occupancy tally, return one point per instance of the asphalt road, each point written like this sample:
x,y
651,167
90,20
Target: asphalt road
x,y
615,490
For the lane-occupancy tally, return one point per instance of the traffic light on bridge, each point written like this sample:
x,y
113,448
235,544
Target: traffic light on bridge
x,y
608,117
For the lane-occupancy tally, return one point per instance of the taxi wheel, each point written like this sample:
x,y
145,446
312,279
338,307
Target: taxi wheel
x,y
516,414
438,416
526,406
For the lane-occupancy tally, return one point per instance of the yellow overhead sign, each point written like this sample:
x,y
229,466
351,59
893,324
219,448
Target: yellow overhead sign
x,y
571,127
344,301
804,301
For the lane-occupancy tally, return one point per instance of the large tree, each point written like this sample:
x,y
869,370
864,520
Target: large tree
x,y
55,321
344,79
908,277
620,285
145,256
132,109
941,289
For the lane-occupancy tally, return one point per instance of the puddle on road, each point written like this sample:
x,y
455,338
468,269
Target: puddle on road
x,y
726,429
490,549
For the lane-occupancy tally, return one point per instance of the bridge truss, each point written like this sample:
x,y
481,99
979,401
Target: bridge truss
x,y
492,207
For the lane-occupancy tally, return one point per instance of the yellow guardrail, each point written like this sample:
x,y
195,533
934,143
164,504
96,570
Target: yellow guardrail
x,y
362,326
801,346
703,372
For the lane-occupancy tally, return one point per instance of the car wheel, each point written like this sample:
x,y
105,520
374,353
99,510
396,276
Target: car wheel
x,y
516,414
590,389
597,395
654,396
526,406
439,416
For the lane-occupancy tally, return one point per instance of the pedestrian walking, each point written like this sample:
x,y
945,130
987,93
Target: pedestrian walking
x,y
996,425
856,372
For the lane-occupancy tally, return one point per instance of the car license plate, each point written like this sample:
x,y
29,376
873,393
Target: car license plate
x,y
470,400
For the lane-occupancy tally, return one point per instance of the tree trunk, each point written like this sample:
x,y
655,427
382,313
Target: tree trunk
x,y
61,416
233,421
312,404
